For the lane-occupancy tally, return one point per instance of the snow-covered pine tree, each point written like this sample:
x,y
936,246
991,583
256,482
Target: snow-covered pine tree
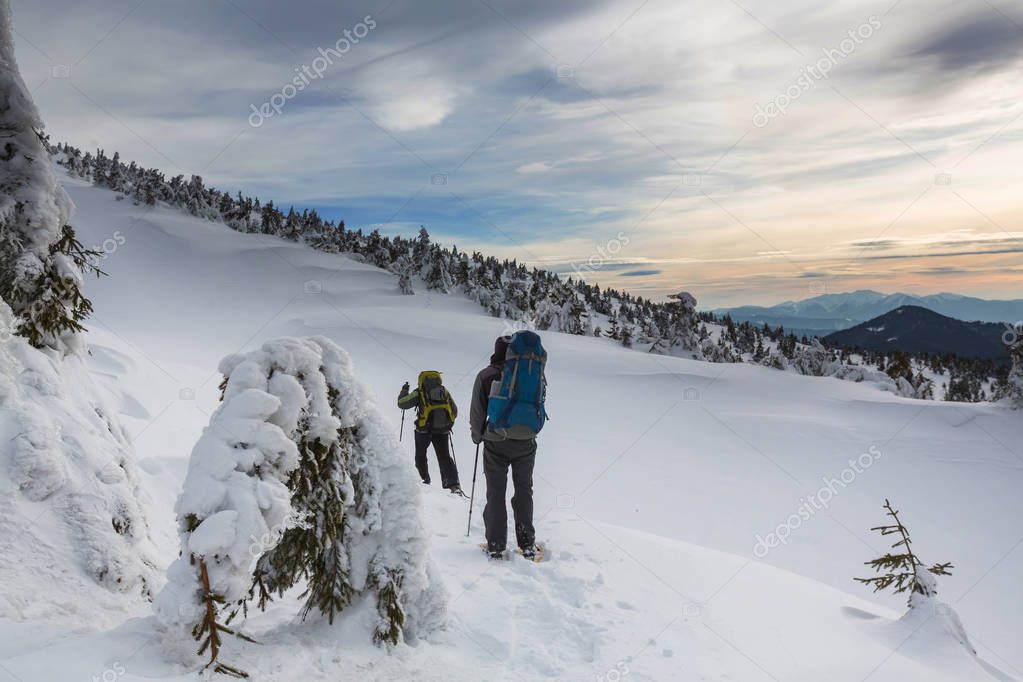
x,y
435,271
403,268
66,455
298,478
234,498
626,336
421,248
314,547
1016,375
613,330
813,359
903,571
41,261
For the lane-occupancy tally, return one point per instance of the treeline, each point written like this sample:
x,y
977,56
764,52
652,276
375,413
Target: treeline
x,y
506,288
538,298
917,375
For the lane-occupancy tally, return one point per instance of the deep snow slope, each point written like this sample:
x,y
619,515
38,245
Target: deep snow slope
x,y
660,484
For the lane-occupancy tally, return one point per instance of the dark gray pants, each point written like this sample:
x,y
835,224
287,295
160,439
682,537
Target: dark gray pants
x,y
448,469
497,457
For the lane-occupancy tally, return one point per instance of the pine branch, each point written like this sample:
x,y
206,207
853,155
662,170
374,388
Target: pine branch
x,y
210,625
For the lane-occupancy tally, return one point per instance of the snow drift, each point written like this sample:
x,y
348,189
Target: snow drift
x,y
73,507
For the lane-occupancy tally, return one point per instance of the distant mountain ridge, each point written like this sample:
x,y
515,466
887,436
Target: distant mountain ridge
x,y
822,315
918,330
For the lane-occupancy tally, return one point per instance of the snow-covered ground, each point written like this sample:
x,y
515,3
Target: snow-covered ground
x,y
663,489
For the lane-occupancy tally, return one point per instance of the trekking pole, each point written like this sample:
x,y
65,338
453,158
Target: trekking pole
x,y
472,495
401,431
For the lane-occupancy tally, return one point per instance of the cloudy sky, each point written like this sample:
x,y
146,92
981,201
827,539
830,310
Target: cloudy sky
x,y
747,151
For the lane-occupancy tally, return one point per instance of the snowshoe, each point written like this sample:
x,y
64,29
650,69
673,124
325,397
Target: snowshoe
x,y
502,554
534,553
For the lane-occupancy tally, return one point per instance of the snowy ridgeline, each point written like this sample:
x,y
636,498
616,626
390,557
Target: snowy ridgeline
x,y
72,510
536,298
298,480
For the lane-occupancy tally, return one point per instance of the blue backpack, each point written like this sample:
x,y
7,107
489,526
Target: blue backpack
x,y
515,408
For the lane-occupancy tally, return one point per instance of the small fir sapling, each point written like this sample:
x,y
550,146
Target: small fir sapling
x,y
902,570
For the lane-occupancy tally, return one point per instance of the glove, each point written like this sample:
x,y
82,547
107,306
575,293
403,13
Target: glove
x,y
404,389
476,439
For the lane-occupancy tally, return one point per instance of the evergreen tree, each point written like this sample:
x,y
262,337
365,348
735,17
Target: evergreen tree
x,y
434,271
613,331
902,571
1015,378
41,261
59,307
421,248
405,279
314,548
626,336
315,487
899,367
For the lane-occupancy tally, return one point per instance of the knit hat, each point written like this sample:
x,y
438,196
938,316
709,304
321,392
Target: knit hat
x,y
500,348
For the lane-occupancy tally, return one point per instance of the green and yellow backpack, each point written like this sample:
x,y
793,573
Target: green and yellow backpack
x,y
436,415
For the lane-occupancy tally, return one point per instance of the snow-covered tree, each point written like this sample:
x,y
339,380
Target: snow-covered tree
x,y
813,360
626,336
405,282
1016,375
614,330
902,571
298,478
67,456
234,497
435,271
41,262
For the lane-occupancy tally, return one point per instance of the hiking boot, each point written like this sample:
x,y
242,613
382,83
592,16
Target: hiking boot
x,y
495,552
457,490
530,552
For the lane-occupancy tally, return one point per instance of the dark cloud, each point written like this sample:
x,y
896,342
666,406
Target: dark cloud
x,y
1007,240
982,41
947,254
942,271
640,273
879,244
561,89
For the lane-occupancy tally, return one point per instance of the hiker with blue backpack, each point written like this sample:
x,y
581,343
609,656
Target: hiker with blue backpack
x,y
435,416
507,413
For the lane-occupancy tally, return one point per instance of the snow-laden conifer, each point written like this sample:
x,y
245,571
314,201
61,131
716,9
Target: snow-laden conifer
x,y
1016,375
298,481
41,261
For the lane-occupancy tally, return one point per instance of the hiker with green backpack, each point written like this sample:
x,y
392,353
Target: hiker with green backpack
x,y
435,416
